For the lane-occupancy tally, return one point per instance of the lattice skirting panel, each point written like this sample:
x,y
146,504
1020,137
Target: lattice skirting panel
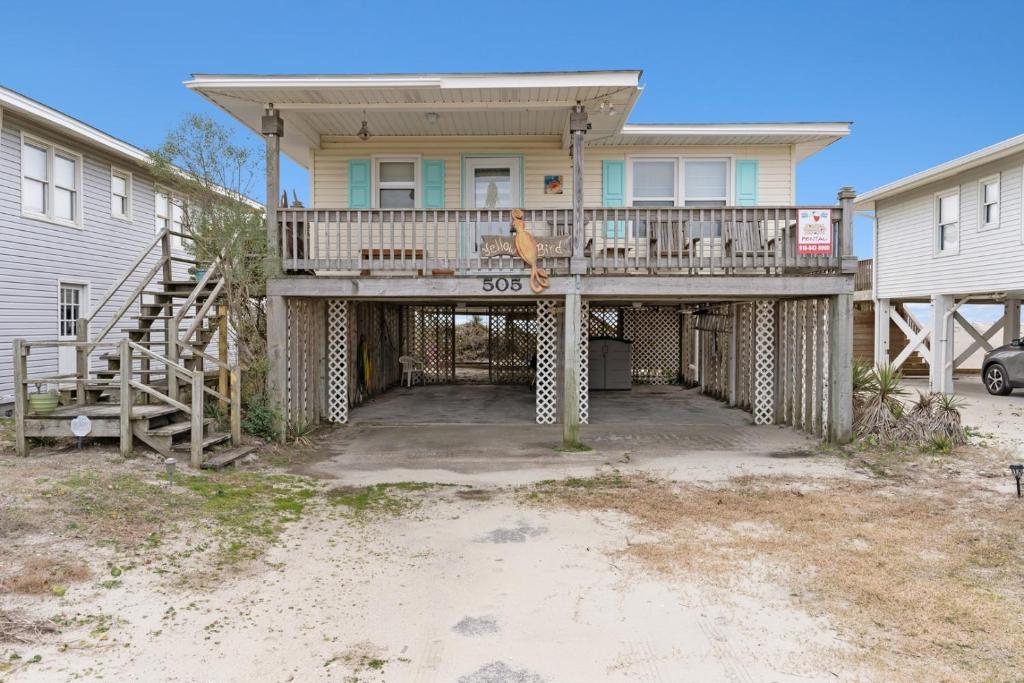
x,y
547,353
654,331
511,343
714,327
374,345
584,379
803,365
764,363
688,352
306,357
337,360
744,339
428,334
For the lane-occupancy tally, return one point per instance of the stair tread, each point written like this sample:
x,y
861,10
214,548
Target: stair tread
x,y
176,428
227,457
209,440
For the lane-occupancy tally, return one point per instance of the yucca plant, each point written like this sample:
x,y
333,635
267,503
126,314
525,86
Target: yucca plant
x,y
947,420
880,411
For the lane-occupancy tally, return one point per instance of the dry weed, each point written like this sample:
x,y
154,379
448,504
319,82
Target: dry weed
x,y
927,583
43,575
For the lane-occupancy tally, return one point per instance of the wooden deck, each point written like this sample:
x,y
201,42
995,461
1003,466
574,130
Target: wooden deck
x,y
106,419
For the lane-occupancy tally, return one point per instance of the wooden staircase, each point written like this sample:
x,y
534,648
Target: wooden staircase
x,y
160,384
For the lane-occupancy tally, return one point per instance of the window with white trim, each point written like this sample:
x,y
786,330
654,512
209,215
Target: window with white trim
x,y
988,202
947,209
50,179
705,182
69,309
170,214
396,183
120,194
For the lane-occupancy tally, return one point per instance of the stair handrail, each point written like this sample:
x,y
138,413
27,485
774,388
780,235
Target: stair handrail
x,y
196,291
197,321
135,294
161,359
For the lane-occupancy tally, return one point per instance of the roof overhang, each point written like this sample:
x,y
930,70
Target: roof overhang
x,y
866,201
806,138
314,106
68,125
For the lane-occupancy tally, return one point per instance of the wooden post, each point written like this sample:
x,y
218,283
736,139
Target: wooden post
x,y
222,351
236,406
272,127
277,340
734,321
578,126
1011,330
940,368
166,250
20,395
196,440
846,196
571,327
126,398
883,308
841,367
82,360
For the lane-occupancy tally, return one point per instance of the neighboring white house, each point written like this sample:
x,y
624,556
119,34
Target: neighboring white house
x,y
950,235
77,207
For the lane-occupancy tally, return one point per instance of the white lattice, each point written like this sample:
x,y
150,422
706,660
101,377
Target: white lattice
x,y
764,393
547,348
337,360
826,362
654,332
584,379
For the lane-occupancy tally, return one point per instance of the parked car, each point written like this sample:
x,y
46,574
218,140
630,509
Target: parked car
x,y
1003,368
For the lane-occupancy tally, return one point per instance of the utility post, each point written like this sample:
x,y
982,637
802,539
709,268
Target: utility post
x,y
572,324
272,127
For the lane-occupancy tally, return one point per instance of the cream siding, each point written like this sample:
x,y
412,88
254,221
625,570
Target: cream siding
x,y
541,156
906,263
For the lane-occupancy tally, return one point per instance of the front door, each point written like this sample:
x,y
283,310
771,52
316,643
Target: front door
x,y
70,307
490,183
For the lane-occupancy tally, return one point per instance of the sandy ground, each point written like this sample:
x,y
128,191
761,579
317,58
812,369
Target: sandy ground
x,y
998,419
478,591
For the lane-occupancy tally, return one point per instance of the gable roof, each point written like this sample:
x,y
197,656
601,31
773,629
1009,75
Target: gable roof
x,y
866,201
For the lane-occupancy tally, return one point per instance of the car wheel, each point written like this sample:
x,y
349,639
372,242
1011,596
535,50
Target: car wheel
x,y
996,380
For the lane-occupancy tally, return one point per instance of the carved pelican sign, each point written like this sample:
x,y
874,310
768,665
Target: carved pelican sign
x,y
526,247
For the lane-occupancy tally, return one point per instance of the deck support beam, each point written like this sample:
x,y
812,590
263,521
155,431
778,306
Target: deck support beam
x,y
1011,330
940,370
277,343
578,126
841,367
571,329
272,127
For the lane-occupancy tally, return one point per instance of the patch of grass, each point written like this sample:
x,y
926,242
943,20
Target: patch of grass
x,y
39,575
575,447
924,581
377,498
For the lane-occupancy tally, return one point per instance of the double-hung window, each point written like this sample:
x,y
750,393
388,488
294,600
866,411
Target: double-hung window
x,y
947,236
691,182
120,194
988,202
396,183
170,215
654,184
706,184
50,179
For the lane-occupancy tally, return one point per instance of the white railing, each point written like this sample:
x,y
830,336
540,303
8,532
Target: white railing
x,y
690,240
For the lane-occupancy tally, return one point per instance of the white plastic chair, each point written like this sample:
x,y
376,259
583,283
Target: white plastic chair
x,y
412,370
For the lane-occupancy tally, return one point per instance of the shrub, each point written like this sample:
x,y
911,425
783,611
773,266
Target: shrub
x,y
260,420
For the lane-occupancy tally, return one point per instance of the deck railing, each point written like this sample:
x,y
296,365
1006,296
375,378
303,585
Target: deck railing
x,y
706,240
865,274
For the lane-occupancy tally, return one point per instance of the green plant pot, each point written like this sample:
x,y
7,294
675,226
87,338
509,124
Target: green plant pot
x,y
43,404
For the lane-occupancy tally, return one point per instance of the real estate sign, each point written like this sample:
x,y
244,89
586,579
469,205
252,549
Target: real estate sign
x,y
814,231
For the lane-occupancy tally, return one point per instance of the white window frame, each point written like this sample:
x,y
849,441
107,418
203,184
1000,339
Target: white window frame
x,y
997,179
680,198
936,230
128,187
84,305
417,178
730,180
176,241
52,149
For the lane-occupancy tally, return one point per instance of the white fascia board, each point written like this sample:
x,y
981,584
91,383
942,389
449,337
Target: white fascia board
x,y
568,79
866,201
200,81
16,102
838,129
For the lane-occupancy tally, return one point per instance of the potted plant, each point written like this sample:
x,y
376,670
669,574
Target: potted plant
x,y
43,402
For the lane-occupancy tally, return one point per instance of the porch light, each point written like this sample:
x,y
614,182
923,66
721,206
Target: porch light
x,y
1017,470
611,109
364,132
431,116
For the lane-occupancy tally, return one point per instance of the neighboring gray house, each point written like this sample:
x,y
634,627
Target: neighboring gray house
x,y
77,207
950,235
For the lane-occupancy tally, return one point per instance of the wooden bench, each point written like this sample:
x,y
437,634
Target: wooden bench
x,y
410,255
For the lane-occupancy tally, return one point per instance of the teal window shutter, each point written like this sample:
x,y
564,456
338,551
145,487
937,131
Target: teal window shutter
x,y
746,182
359,184
613,193
433,183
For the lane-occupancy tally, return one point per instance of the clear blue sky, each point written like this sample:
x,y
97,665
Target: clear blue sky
x,y
923,82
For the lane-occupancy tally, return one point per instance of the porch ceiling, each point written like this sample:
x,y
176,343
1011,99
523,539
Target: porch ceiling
x,y
421,105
